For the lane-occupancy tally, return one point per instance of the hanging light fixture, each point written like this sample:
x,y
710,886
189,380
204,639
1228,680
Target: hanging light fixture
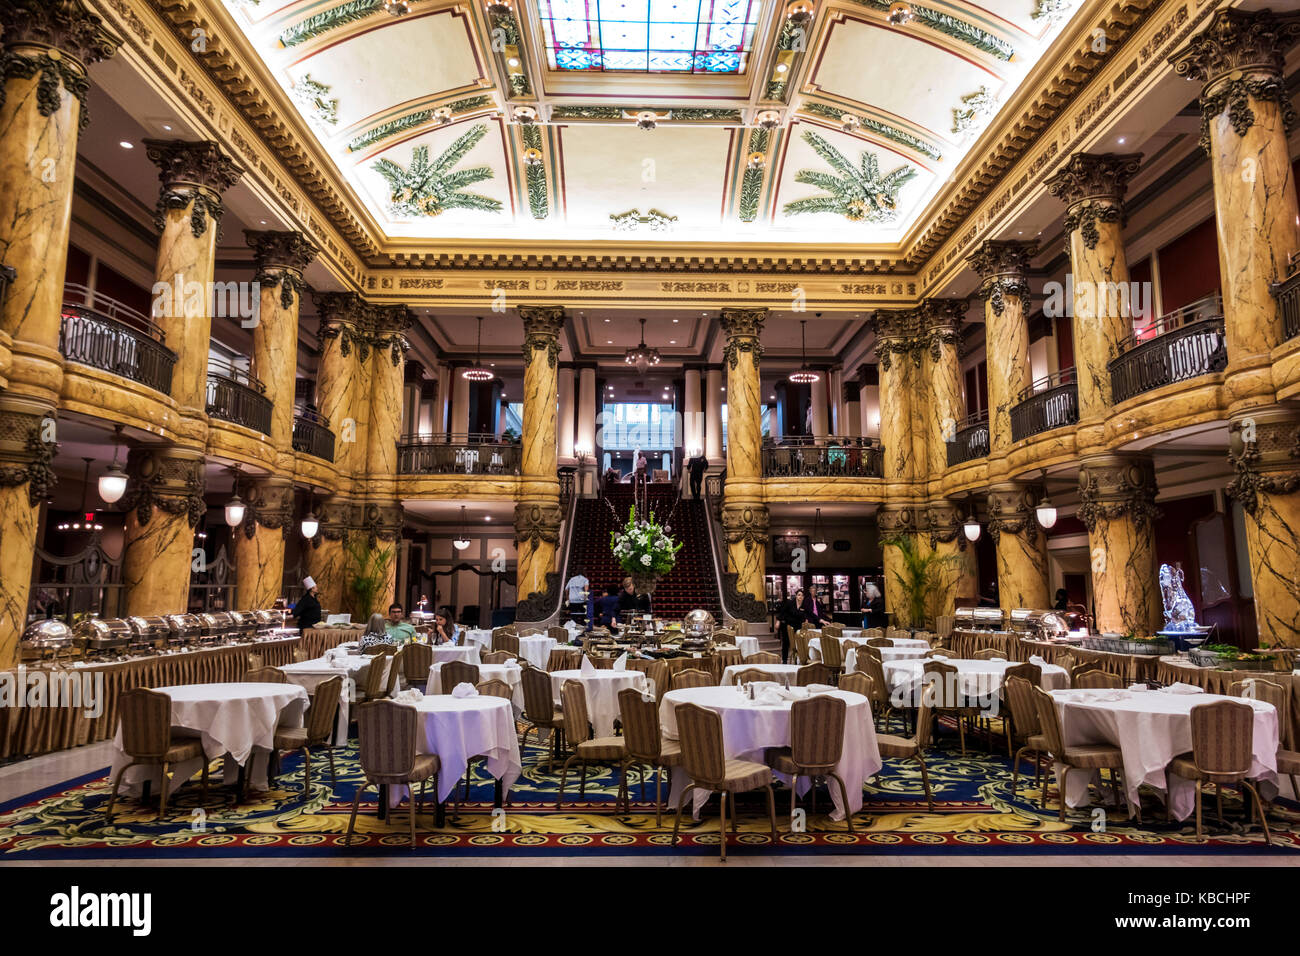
x,y
1046,511
971,526
461,541
310,523
805,375
112,483
235,508
478,372
642,357
397,8
819,540
89,524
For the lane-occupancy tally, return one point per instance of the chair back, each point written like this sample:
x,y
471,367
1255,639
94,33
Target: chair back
x,y
741,627
1030,672
1018,693
458,672
873,633
832,651
538,702
495,688
641,733
1269,693
801,639
939,684
700,732
871,665
508,642
324,711
692,678
556,633
857,683
987,654
832,630
817,732
814,674
376,677
265,675
564,659
1049,721
497,657
1091,678
395,671
1064,661
387,733
879,642
146,719
577,725
1223,735
924,723
724,635
751,674
416,663
763,657
657,671
370,650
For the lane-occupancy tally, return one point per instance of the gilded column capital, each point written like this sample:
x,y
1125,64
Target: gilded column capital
x,y
1264,452
745,524
537,522
1011,511
897,333
894,520
742,328
1002,265
1092,185
382,522
27,446
192,172
269,504
1117,486
1239,55
941,319
279,258
945,522
345,316
338,519
542,325
57,39
391,324
166,480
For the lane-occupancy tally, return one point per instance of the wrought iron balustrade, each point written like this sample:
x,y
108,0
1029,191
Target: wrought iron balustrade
x,y
831,457
970,439
237,397
102,333
312,435
451,454
1181,345
1050,402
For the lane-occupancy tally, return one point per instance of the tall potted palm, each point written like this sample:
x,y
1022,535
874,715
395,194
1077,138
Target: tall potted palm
x,y
922,579
366,573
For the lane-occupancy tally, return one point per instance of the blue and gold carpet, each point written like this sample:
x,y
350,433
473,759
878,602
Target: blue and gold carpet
x,y
974,812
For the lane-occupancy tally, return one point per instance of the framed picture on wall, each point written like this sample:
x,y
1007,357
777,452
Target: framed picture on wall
x,y
783,547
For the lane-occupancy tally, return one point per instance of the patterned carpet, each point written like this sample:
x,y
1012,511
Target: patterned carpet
x,y
974,812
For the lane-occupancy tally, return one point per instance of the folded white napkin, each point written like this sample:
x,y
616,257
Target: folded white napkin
x,y
621,663
587,666
938,657
513,663
770,695
1181,688
463,690
1001,659
1035,659
412,695
820,688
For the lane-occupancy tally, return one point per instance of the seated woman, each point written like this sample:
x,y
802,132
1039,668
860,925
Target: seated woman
x,y
445,630
377,632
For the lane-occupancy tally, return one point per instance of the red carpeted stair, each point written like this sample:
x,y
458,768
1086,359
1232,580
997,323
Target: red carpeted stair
x,y
689,585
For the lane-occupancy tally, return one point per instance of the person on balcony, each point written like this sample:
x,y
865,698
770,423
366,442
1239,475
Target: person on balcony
x,y
697,466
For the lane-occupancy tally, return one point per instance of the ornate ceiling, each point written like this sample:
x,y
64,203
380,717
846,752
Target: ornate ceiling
x,y
772,122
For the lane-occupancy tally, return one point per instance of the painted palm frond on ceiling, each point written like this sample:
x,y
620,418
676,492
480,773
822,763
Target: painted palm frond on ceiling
x,y
430,188
858,192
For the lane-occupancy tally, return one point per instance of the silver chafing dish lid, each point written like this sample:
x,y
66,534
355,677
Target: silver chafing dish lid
x,y
184,625
102,632
150,628
47,635
697,623
988,617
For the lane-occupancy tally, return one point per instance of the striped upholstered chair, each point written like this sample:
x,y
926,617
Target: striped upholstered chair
x,y
881,704
857,683
1222,751
1092,678
912,748
643,738
146,727
388,733
497,657
988,654
503,640
588,749
832,652
1030,672
318,732
457,672
540,712
692,678
1288,761
761,658
1018,698
751,674
416,663
816,746
705,761
942,686
814,674
495,688
1087,757
802,654
265,675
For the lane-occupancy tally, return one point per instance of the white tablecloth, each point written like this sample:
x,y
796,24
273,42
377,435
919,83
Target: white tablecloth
x,y
979,682
749,727
785,673
748,645
511,675
887,654
230,719
477,635
1151,728
456,652
457,729
309,674
536,649
602,689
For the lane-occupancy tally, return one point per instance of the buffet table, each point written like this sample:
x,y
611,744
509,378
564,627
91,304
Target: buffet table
x,y
1134,668
1172,669
966,643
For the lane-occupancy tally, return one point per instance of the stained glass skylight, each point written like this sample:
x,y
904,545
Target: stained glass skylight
x,y
649,36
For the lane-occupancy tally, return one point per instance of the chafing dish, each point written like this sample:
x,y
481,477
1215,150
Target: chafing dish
x,y
102,637
217,627
988,619
268,621
1039,625
148,633
963,619
185,628
47,639
244,624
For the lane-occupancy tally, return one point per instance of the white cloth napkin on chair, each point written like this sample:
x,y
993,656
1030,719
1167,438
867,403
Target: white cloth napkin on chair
x,y
621,663
587,666
465,689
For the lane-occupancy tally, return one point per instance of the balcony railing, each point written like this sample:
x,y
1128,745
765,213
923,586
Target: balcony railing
x,y
450,454
1174,348
104,334
971,439
1050,402
312,435
1287,293
829,457
235,396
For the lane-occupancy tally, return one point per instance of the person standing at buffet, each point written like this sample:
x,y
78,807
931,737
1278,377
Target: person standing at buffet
x,y
308,610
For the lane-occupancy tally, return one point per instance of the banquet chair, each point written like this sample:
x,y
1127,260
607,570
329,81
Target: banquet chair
x,y
1086,677
507,642
942,686
705,761
816,746
741,627
395,668
988,654
873,633
814,674
317,732
559,634
494,687
832,655
832,630
721,660
586,748
265,675
457,672
416,664
1027,671
564,659
376,680
373,650
857,683
1064,661
692,677
1222,751
498,657
540,712
145,726
530,632
1018,697
879,642
763,657
912,748
1288,761
1083,757
802,653
388,733
724,635
751,674
657,673
643,738
881,703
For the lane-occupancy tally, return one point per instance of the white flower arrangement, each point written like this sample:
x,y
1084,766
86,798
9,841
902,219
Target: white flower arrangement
x,y
642,546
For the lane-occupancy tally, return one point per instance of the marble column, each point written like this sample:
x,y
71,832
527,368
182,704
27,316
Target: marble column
x,y
442,404
260,541
460,387
1117,495
915,366
164,504
895,521
27,434
387,372
324,558
893,352
714,397
1021,546
851,399
381,526
820,413
537,513
1092,186
869,390
585,431
941,320
345,347
959,570
1265,455
193,177
1246,116
744,513
693,415
1002,267
564,424
279,260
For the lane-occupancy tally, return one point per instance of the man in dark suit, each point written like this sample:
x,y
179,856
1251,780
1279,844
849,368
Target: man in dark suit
x,y
697,466
790,616
606,609
813,610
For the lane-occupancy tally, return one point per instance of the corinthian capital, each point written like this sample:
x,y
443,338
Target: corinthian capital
x,y
66,27
1238,42
1094,176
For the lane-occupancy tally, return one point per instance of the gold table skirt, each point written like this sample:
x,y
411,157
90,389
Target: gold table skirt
x,y
1131,667
1215,681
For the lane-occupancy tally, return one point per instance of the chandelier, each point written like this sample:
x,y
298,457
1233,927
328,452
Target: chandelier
x,y
642,357
461,541
805,375
476,372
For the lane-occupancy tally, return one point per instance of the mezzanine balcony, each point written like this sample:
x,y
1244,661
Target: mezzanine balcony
x,y
101,333
830,457
1176,347
1050,402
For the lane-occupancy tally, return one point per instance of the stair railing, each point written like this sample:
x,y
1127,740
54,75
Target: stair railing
x,y
549,609
736,605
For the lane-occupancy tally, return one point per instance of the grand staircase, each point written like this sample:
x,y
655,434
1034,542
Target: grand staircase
x,y
689,585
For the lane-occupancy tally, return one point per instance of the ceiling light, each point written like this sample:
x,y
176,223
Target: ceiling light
x,y
167,128
672,341
125,145
1045,511
781,68
769,119
532,156
646,119
235,509
500,7
461,541
643,356
819,540
112,484
899,13
805,375
90,524
800,11
1121,140
513,61
310,525
397,8
476,372
971,529
756,161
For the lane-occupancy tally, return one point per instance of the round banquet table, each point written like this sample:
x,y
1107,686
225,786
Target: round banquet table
x,y
458,729
602,687
748,645
503,672
977,680
309,674
232,720
1151,728
784,673
469,653
887,654
749,727
536,649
